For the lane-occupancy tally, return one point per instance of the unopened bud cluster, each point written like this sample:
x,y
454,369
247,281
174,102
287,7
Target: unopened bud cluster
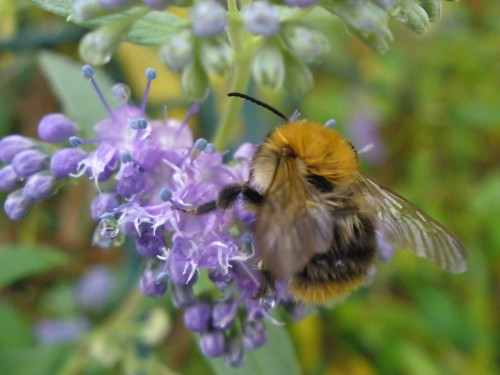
x,y
279,37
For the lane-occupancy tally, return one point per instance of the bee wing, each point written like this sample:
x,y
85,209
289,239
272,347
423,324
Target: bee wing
x,y
407,227
291,227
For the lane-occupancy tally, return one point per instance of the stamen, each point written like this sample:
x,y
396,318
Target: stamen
x,y
88,72
210,149
165,195
138,123
199,146
125,157
150,76
75,141
195,108
366,148
330,124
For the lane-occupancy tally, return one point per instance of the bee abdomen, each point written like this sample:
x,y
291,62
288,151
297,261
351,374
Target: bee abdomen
x,y
343,267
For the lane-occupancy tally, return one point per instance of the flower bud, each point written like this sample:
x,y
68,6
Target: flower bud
x,y
156,4
84,10
8,178
179,273
198,317
113,4
39,186
55,127
97,46
129,181
235,355
306,42
208,18
16,206
268,67
216,57
182,296
301,3
298,76
149,285
413,16
433,8
223,315
28,162
65,161
213,344
261,18
194,81
104,202
149,245
254,334
177,52
12,145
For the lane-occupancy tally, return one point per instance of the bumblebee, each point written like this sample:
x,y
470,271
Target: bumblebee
x,y
317,214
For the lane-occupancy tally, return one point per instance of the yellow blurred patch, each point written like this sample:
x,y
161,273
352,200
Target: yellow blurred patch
x,y
134,61
307,334
8,19
352,366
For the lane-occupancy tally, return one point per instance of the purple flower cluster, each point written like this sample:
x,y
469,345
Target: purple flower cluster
x,y
144,170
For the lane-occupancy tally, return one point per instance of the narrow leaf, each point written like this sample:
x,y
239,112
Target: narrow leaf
x,y
59,7
18,262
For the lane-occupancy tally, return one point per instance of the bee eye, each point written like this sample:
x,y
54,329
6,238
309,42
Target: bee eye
x,y
319,182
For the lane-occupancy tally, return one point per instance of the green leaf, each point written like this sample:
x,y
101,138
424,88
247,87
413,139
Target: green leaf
x,y
150,30
16,329
275,357
59,7
78,99
18,262
43,360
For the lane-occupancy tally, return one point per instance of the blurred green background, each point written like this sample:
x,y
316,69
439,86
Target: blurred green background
x,y
431,106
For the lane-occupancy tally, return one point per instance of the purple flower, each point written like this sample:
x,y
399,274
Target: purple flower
x,y
95,287
55,331
55,127
12,145
363,131
147,173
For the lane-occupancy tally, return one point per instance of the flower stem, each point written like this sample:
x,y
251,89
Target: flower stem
x,y
80,356
243,47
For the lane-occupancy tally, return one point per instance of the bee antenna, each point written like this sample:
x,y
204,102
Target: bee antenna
x,y
258,102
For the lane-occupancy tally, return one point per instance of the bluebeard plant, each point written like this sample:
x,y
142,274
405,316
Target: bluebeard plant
x,y
143,170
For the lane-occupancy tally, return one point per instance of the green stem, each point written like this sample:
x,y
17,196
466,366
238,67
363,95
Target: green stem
x,y
119,321
243,47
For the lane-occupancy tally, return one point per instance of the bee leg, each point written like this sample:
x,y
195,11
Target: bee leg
x,y
266,284
225,200
250,195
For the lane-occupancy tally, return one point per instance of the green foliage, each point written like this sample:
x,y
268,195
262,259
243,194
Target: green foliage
x,y
18,262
